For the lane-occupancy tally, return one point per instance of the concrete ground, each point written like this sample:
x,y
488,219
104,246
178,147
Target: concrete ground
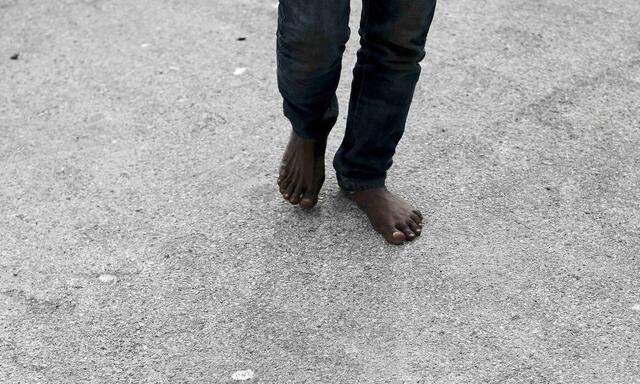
x,y
142,238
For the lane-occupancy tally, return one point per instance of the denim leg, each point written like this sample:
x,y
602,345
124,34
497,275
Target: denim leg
x,y
311,38
392,40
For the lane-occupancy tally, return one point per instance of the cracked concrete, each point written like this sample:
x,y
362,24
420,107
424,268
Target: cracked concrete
x,y
142,238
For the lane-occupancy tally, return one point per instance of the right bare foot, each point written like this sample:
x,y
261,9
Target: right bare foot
x,y
390,215
302,170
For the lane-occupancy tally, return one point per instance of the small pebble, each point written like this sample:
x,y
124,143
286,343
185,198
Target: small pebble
x,y
107,278
15,56
243,375
239,71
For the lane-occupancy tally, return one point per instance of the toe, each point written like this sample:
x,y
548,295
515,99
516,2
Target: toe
x,y
288,191
282,186
393,236
417,213
408,233
283,190
295,197
415,228
285,180
309,200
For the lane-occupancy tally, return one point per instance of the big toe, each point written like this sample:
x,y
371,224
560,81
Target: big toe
x,y
394,236
308,200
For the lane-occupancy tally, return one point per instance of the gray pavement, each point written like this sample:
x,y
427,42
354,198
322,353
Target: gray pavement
x,y
142,239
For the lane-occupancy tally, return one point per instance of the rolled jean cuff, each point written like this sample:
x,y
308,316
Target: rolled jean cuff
x,y
313,136
355,185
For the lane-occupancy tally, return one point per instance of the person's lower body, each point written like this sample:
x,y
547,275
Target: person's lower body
x,y
311,38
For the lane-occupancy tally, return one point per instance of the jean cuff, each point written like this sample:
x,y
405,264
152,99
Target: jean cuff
x,y
355,185
310,136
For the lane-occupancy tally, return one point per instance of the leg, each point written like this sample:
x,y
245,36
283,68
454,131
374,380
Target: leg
x,y
392,38
311,38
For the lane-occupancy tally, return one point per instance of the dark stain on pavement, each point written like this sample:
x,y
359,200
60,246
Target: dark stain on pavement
x,y
38,305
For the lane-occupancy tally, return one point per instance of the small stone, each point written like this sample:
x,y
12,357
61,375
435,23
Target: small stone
x,y
243,375
107,278
15,56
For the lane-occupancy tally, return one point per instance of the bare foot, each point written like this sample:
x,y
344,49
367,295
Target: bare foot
x,y
302,170
390,215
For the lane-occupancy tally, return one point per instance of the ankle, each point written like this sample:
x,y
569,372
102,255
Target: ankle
x,y
306,139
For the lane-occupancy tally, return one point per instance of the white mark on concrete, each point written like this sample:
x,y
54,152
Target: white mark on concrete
x,y
144,45
352,349
247,374
636,307
174,68
239,71
107,278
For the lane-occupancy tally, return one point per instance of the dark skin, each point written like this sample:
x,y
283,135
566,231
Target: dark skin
x,y
302,175
302,171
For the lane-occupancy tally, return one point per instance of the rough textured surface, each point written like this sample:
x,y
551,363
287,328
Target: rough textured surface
x,y
142,238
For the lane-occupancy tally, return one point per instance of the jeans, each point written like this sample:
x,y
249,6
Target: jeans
x,y
311,38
